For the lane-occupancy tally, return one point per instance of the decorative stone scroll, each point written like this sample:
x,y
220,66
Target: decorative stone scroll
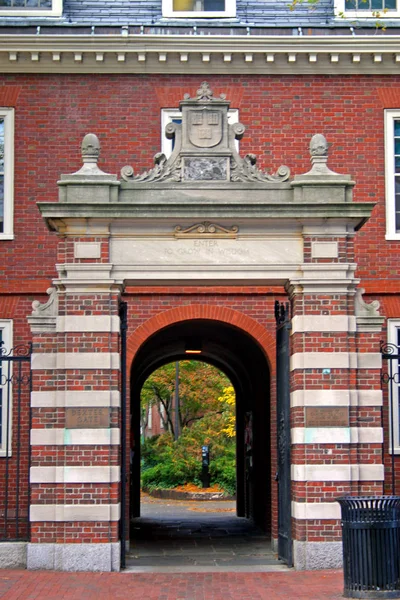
x,y
368,317
206,230
44,315
204,148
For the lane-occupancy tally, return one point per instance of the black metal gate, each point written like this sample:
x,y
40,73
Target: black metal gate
x,y
391,378
15,425
123,315
283,432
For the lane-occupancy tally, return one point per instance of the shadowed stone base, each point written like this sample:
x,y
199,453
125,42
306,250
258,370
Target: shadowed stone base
x,y
310,556
13,555
74,557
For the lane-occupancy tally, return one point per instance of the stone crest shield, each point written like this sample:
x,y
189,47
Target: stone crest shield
x,y
205,130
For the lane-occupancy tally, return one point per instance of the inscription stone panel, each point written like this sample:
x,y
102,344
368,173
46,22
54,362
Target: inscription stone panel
x,y
327,416
88,417
176,252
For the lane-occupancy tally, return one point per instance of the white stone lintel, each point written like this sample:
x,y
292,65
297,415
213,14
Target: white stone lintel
x,y
336,398
60,436
337,435
74,474
316,510
338,472
88,324
74,398
336,360
74,512
323,324
75,360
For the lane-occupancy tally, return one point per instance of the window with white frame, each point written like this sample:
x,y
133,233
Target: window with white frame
x,y
392,171
5,391
199,8
172,115
32,8
361,9
6,172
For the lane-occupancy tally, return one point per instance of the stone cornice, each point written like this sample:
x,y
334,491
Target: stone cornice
x,y
329,54
59,216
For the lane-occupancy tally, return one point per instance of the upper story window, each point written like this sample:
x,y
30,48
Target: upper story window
x,y
6,172
392,171
199,8
366,8
43,8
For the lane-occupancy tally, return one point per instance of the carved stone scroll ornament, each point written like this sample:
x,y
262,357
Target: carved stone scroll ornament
x,y
161,172
206,230
362,309
47,309
204,93
246,170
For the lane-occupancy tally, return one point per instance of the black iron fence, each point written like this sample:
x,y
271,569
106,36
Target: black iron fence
x,y
15,388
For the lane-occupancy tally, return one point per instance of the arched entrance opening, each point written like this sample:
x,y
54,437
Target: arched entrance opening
x,y
242,359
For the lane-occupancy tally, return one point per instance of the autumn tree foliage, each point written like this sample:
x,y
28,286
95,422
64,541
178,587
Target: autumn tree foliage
x,y
206,417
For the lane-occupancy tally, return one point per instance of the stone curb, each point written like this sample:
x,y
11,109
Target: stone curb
x,y
178,495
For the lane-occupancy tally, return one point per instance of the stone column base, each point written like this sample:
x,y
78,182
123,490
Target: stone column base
x,y
13,555
74,557
311,556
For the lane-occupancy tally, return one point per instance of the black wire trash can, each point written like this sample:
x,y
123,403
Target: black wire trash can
x,y
371,546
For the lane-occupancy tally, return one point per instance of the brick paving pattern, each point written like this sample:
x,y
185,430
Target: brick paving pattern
x,y
50,585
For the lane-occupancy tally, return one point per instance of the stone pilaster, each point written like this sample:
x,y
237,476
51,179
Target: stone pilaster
x,y
75,401
336,428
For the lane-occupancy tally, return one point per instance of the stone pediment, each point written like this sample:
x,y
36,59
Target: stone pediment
x,y
204,148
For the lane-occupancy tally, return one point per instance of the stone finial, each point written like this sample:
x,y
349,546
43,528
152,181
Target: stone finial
x,y
319,156
318,145
90,148
204,93
90,155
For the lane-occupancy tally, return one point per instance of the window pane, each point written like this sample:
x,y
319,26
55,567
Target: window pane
x,y
397,127
376,4
198,5
1,203
1,398
390,4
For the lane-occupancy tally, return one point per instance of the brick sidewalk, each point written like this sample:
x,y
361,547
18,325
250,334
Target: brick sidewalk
x,y
50,585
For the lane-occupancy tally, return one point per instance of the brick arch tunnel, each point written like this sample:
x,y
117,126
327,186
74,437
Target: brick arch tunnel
x,y
244,360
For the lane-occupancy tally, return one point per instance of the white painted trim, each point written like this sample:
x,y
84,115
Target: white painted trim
x,y
74,512
389,117
142,54
6,328
338,472
335,360
360,14
87,324
393,326
336,398
63,398
75,437
75,360
323,324
8,209
316,510
55,11
73,474
337,435
169,12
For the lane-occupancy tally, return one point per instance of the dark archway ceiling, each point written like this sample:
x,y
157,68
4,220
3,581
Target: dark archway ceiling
x,y
224,346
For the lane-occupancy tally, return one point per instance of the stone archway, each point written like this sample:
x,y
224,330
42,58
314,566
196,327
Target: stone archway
x,y
238,354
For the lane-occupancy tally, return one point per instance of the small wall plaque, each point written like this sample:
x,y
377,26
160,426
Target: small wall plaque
x,y
87,418
327,416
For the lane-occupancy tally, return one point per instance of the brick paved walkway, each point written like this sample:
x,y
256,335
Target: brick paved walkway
x,y
49,585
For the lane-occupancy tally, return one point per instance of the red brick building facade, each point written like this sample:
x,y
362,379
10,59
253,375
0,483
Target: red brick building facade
x,y
340,242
